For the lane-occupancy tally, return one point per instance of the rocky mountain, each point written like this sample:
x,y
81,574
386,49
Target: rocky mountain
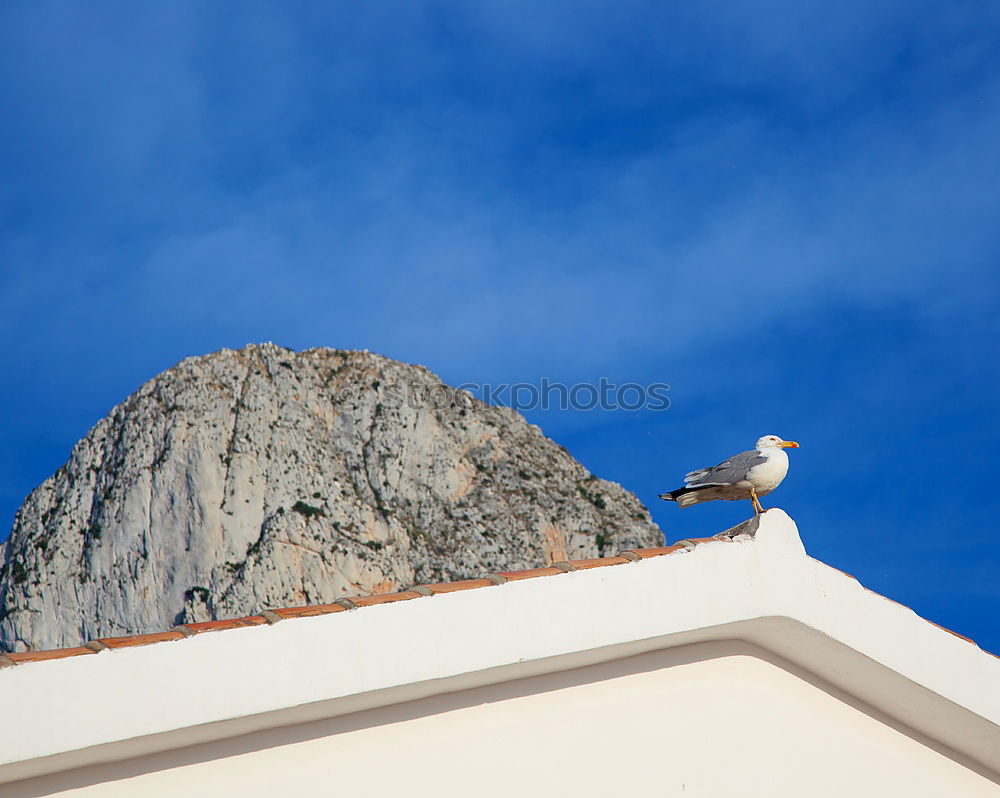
x,y
249,479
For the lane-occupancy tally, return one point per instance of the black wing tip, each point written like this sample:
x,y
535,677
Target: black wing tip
x,y
674,495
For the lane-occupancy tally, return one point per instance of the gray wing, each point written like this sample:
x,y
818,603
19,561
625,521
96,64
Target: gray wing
x,y
727,472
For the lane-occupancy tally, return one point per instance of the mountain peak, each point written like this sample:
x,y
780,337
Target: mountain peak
x,y
259,477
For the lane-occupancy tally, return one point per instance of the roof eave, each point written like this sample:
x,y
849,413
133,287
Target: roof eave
x,y
765,592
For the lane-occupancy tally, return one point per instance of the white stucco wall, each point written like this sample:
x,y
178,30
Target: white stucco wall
x,y
707,720
833,683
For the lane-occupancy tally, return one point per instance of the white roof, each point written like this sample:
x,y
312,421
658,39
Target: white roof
x,y
765,590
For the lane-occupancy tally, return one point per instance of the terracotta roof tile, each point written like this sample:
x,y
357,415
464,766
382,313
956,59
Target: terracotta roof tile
x,y
139,640
453,587
599,562
309,610
228,623
657,551
55,653
384,598
531,573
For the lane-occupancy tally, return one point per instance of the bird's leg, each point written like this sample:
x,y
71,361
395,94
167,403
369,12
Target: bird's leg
x,y
757,509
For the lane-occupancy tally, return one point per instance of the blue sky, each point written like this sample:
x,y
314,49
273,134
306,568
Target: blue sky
x,y
788,212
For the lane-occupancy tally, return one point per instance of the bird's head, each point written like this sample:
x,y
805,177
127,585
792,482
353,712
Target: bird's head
x,y
774,440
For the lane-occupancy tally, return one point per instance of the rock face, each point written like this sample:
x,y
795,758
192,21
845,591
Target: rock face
x,y
263,478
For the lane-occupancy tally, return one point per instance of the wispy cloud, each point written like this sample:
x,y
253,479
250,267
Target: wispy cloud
x,y
730,198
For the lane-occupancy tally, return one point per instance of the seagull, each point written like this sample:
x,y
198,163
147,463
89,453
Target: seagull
x,y
746,475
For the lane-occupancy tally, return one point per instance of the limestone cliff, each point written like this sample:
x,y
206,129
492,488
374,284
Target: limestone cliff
x,y
244,480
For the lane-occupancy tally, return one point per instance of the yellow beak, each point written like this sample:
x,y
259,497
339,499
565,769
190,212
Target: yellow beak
x,y
788,445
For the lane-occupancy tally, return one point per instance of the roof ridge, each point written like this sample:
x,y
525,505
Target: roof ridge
x,y
349,603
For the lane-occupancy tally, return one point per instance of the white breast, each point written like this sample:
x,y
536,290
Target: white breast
x,y
768,475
